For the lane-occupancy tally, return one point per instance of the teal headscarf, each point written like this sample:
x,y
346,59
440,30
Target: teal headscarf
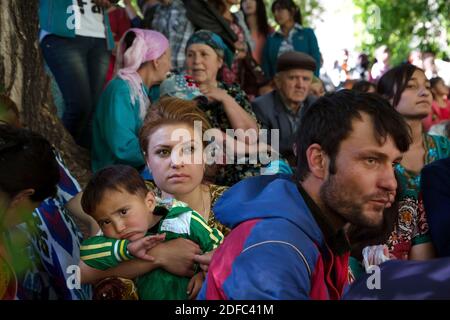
x,y
214,41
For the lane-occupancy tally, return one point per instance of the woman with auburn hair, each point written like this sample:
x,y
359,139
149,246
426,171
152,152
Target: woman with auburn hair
x,y
172,143
169,142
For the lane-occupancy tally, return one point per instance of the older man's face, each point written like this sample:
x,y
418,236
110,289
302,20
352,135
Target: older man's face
x,y
294,84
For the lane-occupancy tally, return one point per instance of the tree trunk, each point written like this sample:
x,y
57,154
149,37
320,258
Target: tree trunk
x,y
23,79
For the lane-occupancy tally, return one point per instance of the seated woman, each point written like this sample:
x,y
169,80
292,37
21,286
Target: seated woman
x,y
53,235
29,174
143,60
183,181
408,90
440,108
227,106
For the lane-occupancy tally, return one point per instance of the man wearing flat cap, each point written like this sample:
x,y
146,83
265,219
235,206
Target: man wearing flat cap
x,y
281,108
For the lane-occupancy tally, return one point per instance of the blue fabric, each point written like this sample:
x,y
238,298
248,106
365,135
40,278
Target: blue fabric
x,y
79,66
405,280
304,40
55,246
146,174
253,198
435,186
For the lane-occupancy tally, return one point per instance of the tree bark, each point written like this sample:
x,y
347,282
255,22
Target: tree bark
x,y
23,79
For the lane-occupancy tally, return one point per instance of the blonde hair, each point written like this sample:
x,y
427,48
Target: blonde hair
x,y
171,110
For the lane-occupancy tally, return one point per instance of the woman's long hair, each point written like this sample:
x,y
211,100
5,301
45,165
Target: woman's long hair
x,y
261,18
289,5
392,84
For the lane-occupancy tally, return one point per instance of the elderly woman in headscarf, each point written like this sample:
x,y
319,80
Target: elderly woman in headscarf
x,y
227,106
143,60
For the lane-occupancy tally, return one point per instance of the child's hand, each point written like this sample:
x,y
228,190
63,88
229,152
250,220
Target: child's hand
x,y
195,284
204,259
138,248
375,255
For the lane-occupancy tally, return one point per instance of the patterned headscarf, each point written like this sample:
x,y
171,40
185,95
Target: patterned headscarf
x,y
180,86
147,46
214,41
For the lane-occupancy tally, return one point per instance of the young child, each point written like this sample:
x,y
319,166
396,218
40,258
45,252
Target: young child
x,y
127,212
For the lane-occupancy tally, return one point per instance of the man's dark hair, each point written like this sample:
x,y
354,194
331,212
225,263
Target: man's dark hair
x,y
328,122
392,84
117,177
27,161
363,86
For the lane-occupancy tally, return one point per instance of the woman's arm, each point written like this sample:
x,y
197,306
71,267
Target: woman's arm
x,y
86,223
174,256
240,148
204,260
422,251
238,117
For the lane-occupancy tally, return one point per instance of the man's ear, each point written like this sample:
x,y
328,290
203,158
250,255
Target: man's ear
x,y
150,200
317,161
21,197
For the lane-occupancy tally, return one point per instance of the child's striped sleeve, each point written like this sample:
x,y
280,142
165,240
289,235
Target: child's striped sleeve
x,y
104,253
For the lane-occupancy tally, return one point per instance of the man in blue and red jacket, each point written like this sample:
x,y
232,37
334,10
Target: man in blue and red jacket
x,y
288,239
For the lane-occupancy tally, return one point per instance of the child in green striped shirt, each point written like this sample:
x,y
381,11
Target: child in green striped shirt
x,y
128,214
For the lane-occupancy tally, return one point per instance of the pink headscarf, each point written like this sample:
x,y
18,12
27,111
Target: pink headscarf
x,y
147,46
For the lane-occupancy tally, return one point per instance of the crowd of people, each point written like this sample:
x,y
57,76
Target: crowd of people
x,y
226,164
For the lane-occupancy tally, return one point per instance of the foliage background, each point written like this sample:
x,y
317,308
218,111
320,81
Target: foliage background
x,y
401,25
404,26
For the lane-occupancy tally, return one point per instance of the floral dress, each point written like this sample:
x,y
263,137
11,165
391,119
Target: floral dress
x,y
229,174
412,226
